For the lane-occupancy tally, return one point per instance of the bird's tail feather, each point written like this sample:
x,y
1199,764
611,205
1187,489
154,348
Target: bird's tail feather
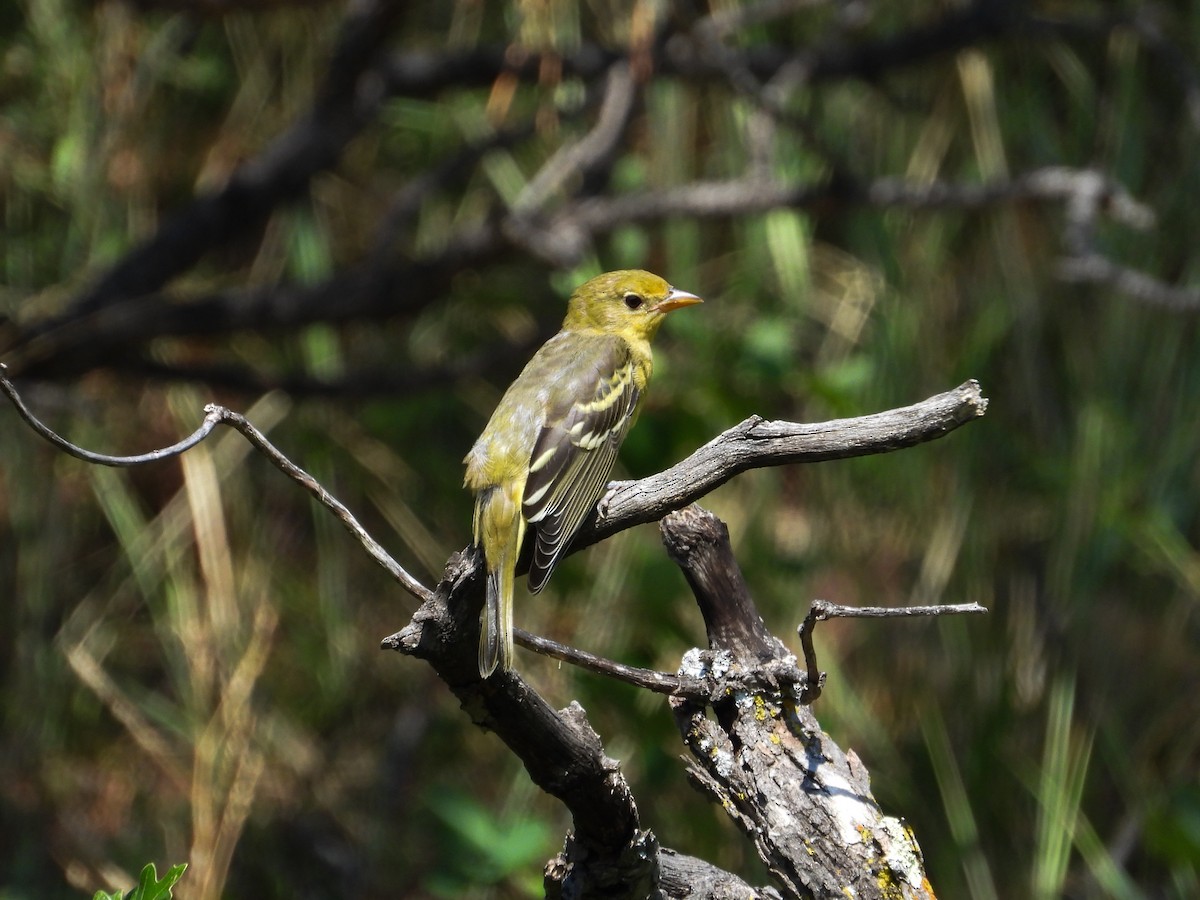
x,y
501,539
495,634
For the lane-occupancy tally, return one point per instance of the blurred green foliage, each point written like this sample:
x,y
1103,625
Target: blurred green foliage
x,y
190,665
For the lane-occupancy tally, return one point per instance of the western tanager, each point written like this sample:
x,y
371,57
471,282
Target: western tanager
x,y
545,456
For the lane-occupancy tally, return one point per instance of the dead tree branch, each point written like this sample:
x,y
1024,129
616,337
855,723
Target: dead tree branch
x,y
444,632
804,803
823,610
757,443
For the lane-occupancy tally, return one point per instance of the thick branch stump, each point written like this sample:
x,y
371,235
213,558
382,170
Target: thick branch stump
x,y
805,804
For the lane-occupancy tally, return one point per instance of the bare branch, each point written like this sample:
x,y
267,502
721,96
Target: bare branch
x,y
684,877
757,443
609,853
743,196
651,680
211,419
360,80
822,610
374,548
562,753
593,149
698,542
218,415
76,341
759,690
700,683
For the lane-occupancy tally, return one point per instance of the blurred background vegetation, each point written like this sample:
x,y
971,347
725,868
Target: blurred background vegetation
x,y
339,220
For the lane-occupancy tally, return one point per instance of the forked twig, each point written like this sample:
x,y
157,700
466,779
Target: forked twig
x,y
821,610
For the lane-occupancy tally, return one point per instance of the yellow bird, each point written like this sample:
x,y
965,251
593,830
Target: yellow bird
x,y
545,456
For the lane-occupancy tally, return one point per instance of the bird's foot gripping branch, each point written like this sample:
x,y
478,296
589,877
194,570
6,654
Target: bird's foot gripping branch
x,y
742,706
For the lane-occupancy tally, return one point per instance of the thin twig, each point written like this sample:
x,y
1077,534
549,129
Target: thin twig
x,y
822,610
591,150
650,679
218,415
211,419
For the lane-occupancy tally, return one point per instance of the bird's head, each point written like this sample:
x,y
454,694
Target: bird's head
x,y
629,302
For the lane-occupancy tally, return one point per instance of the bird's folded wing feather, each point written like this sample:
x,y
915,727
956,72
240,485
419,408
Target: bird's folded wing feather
x,y
573,457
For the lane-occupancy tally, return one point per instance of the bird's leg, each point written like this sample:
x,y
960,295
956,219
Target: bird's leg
x,y
602,503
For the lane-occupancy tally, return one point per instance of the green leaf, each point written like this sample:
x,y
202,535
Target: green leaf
x,y
149,887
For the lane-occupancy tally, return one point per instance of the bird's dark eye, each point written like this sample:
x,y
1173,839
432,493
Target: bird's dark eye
x,y
633,301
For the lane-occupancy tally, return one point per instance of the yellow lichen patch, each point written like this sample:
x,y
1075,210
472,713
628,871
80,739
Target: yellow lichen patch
x,y
888,886
761,713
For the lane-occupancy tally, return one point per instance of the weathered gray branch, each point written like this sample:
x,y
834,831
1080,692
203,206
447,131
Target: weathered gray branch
x,y
762,756
757,443
754,443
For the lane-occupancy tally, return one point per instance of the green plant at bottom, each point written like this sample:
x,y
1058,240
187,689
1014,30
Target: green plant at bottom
x,y
148,886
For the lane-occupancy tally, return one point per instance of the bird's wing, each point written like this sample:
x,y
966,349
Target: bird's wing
x,y
574,455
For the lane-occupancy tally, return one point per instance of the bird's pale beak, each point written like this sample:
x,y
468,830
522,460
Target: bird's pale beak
x,y
677,299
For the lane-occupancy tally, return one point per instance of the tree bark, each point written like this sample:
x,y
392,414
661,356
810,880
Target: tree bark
x,y
804,803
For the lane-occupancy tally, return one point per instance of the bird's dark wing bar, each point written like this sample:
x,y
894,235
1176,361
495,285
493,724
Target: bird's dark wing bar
x,y
572,460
